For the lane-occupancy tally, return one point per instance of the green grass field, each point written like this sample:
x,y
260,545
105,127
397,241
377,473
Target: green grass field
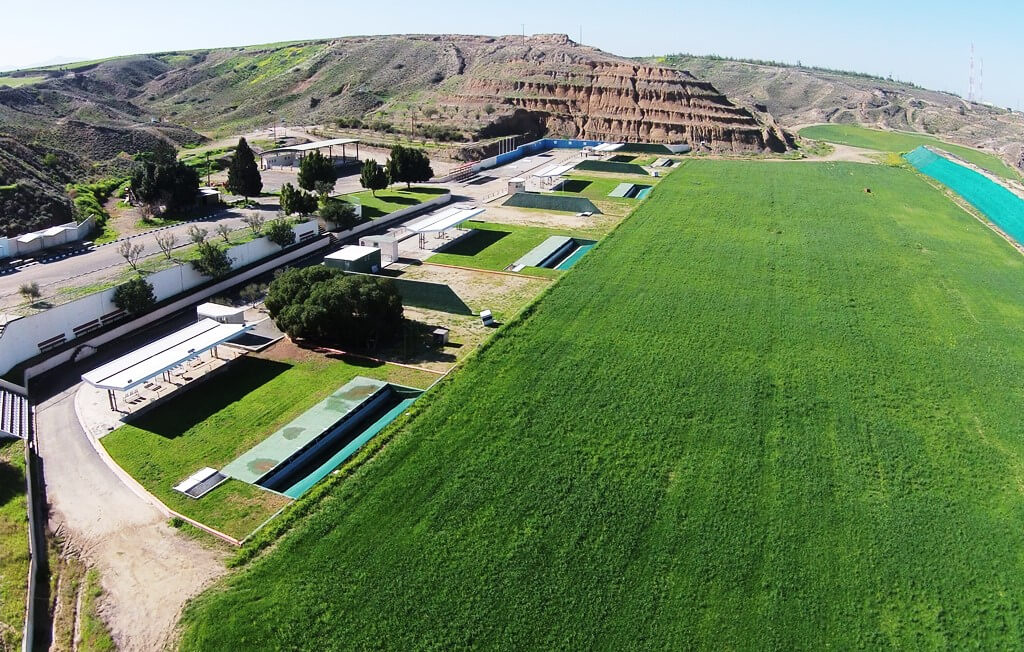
x,y
742,422
899,141
17,82
494,246
392,199
14,556
214,423
597,188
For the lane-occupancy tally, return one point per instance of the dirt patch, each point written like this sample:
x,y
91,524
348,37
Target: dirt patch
x,y
592,225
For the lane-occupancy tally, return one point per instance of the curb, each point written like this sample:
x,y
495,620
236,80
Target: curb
x,y
136,487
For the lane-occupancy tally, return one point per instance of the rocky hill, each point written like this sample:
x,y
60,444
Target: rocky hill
x,y
85,120
798,95
477,86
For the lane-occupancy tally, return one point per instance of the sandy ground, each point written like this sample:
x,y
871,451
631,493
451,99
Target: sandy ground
x,y
148,570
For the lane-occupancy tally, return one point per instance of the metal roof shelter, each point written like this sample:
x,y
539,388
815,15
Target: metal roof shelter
x,y
308,147
441,221
142,364
608,147
317,144
554,170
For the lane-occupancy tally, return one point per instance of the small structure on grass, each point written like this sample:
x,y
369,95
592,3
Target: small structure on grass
x,y
516,184
355,258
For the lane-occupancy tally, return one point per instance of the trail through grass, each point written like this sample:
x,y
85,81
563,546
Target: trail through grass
x,y
899,141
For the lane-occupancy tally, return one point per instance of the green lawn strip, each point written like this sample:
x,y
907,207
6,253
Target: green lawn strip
x,y
14,558
898,141
494,246
597,188
16,82
745,421
392,199
217,421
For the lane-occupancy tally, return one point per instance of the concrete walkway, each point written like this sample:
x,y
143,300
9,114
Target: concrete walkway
x,y
148,570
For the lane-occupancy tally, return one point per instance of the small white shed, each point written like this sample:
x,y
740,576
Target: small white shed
x,y
222,314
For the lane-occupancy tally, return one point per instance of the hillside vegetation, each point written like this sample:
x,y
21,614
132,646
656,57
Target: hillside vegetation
x,y
740,422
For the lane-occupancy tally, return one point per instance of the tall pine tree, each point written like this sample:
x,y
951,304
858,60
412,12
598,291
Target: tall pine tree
x,y
316,167
373,177
243,174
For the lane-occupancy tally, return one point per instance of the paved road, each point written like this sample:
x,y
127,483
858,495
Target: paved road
x,y
58,273
148,570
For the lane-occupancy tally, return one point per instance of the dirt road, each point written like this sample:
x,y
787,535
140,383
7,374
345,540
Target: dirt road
x,y
148,569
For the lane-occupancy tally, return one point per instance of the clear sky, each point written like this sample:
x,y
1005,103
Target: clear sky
x,y
927,43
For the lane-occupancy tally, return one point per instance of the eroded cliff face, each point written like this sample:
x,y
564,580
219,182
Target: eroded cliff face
x,y
580,92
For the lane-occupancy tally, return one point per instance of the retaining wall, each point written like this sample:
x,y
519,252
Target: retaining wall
x,y
22,337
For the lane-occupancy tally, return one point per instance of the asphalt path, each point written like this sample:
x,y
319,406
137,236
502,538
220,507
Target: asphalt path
x,y
56,273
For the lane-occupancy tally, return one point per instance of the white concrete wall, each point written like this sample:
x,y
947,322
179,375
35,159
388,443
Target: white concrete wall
x,y
20,339
72,232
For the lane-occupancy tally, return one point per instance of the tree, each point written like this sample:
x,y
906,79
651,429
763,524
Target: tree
x,y
212,261
321,303
134,297
373,176
197,234
131,252
256,220
408,164
159,179
224,231
316,167
252,293
339,213
243,173
296,201
30,291
280,233
324,188
166,242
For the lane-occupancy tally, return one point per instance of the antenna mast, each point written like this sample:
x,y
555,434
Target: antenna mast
x,y
970,78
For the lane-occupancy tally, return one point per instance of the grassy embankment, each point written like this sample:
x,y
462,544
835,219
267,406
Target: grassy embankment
x,y
14,557
217,421
496,246
899,141
742,421
392,199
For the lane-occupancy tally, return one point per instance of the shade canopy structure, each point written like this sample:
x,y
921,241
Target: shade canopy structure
x,y
443,220
147,362
317,144
608,147
554,170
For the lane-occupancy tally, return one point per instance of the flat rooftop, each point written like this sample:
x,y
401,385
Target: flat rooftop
x,y
351,253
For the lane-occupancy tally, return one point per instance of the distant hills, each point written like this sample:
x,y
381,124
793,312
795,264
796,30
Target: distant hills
x,y
79,121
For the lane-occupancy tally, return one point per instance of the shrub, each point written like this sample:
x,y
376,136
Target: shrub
x,y
280,233
213,261
135,297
